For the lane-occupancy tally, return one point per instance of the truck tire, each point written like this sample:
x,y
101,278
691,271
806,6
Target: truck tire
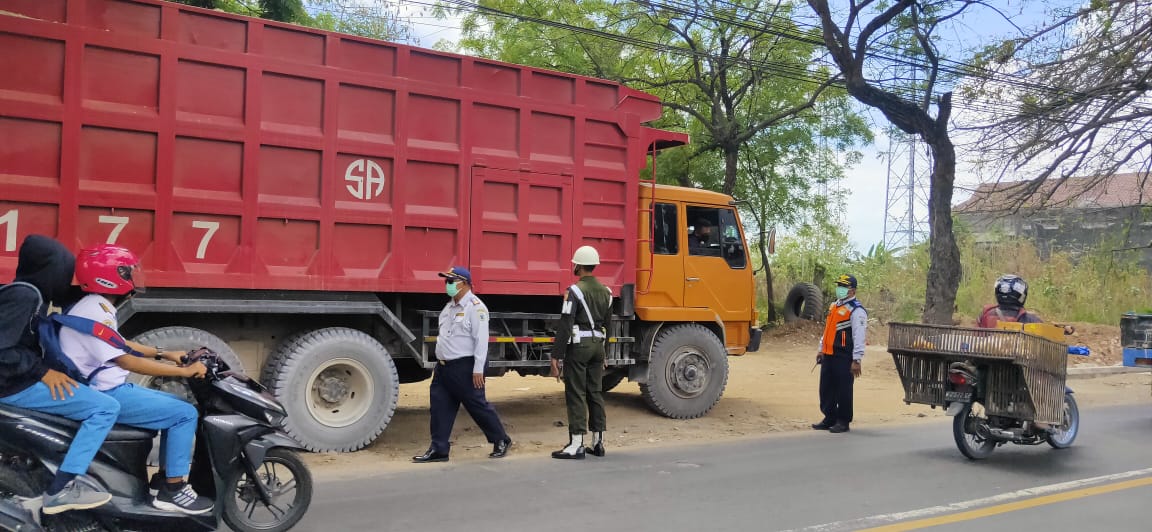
x,y
687,371
339,387
182,339
804,302
272,362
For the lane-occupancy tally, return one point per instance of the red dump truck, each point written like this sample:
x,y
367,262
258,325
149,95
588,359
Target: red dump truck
x,y
293,194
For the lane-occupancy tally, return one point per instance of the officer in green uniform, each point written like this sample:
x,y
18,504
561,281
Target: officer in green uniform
x,y
580,346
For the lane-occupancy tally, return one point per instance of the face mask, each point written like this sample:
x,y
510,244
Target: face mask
x,y
841,292
452,289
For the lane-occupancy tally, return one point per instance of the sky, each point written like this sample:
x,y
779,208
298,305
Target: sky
x,y
866,182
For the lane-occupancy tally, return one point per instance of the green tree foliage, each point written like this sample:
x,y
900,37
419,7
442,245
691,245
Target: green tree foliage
x,y
378,19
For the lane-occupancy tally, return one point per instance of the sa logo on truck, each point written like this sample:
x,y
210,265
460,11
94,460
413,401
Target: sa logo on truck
x,y
366,179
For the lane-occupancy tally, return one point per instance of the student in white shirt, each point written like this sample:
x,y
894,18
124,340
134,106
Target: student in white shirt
x,y
109,274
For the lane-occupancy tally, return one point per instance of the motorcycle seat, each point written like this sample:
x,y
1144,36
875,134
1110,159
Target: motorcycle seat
x,y
118,432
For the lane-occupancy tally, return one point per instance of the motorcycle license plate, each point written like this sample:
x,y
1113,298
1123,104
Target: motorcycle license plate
x,y
954,396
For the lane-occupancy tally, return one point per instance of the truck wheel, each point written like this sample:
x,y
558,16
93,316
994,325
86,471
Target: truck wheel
x,y
613,379
339,387
687,371
182,339
804,302
272,363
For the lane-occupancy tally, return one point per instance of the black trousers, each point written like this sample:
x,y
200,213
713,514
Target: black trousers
x,y
451,387
836,389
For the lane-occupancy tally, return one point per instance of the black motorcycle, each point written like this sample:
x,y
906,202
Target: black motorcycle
x,y
241,460
978,434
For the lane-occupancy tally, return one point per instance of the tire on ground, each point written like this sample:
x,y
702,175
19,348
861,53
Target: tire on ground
x,y
804,302
339,387
181,338
687,371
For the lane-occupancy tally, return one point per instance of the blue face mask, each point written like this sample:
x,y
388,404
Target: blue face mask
x,y
841,292
452,289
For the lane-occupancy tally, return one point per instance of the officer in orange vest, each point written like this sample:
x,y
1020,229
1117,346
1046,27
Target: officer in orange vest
x,y
841,349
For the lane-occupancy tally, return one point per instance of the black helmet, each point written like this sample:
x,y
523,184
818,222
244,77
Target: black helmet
x,y
1011,290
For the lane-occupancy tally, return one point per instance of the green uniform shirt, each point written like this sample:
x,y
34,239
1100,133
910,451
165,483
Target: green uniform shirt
x,y
599,300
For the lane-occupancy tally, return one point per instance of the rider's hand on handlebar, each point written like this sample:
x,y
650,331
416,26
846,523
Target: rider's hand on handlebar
x,y
195,369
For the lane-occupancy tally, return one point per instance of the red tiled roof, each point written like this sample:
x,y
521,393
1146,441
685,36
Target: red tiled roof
x,y
1120,190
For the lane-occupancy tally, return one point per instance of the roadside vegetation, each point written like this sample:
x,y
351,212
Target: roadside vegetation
x,y
1095,286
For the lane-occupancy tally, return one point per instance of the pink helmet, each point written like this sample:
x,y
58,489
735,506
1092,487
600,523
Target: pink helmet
x,y
108,269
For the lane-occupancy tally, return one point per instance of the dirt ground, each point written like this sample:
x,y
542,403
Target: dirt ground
x,y
773,390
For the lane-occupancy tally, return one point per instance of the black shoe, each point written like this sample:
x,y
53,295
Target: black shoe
x,y
838,428
823,425
430,456
596,450
561,455
500,449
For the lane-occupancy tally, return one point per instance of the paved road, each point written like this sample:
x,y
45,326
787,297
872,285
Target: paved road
x,y
867,478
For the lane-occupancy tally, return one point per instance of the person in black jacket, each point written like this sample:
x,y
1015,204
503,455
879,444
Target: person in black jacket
x,y
27,381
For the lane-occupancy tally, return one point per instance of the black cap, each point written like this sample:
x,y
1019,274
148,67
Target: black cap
x,y
846,280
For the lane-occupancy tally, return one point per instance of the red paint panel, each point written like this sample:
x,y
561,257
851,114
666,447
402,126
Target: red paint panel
x,y
207,169
496,130
129,81
287,247
283,157
117,160
205,242
496,79
17,221
29,152
33,69
212,32
362,250
207,93
369,58
126,17
52,10
295,46
367,184
366,114
289,176
292,104
439,69
132,229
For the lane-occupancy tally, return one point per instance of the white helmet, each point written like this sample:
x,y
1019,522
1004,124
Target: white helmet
x,y
586,256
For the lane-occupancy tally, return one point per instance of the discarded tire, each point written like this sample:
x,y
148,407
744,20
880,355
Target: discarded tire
x,y
804,302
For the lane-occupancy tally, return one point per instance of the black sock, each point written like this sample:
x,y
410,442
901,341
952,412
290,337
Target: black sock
x,y
173,487
62,479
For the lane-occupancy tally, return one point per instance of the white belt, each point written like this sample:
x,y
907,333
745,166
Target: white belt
x,y
591,334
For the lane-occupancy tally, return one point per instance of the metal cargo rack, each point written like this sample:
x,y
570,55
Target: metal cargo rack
x,y
1023,374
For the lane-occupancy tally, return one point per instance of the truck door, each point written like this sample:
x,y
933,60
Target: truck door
x,y
520,232
716,264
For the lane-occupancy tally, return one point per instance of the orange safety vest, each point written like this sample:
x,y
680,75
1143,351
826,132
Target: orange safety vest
x,y
838,328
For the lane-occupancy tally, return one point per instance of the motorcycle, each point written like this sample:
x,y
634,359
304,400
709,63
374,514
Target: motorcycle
x,y
241,460
978,434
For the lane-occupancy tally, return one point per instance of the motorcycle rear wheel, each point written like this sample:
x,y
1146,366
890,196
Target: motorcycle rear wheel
x,y
1065,434
286,477
973,446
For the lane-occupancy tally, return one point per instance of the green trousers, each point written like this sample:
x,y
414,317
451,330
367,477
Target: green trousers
x,y
584,386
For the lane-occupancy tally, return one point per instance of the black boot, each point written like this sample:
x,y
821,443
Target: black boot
x,y
597,448
573,451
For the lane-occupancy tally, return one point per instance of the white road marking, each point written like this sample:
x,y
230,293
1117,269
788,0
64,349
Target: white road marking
x,y
883,519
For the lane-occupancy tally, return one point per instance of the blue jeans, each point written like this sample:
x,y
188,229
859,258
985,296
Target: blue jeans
x,y
95,411
156,410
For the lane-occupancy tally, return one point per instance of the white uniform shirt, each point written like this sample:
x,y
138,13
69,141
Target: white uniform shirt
x,y
89,352
464,331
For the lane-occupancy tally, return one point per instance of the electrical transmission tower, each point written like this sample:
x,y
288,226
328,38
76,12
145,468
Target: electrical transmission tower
x,y
906,203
